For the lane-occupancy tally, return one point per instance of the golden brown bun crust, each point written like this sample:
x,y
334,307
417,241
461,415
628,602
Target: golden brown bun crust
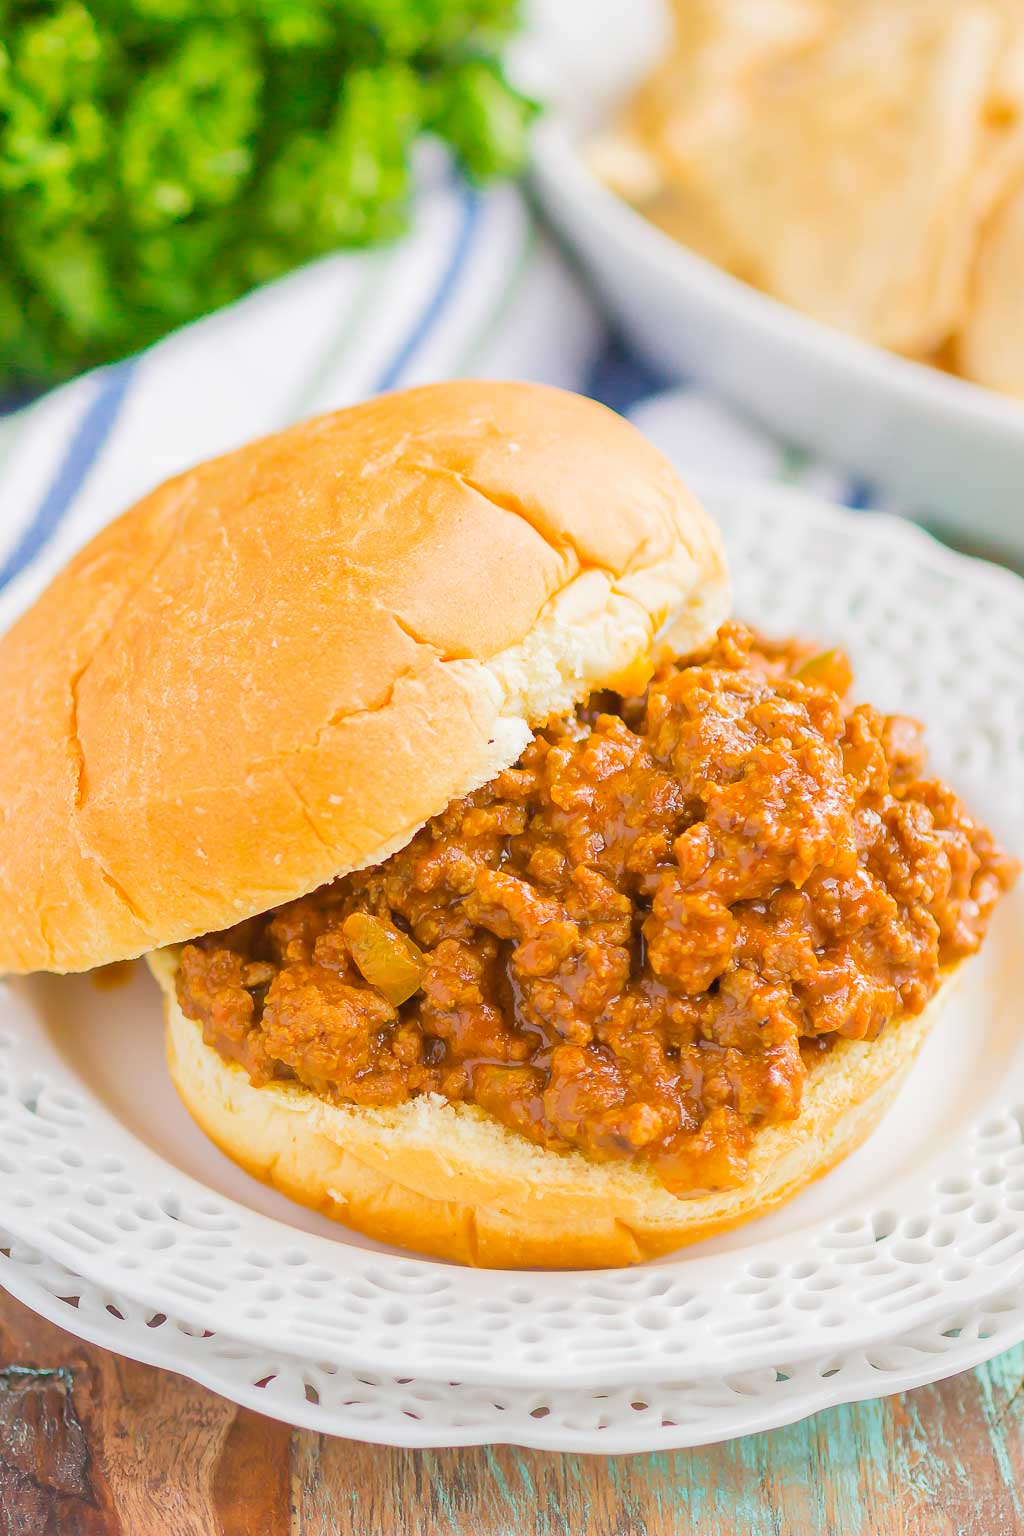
x,y
277,666
449,1181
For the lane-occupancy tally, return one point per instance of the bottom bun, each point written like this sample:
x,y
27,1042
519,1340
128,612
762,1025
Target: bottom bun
x,y
446,1179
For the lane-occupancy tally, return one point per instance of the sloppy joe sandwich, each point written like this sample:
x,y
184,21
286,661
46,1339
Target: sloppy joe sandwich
x,y
510,902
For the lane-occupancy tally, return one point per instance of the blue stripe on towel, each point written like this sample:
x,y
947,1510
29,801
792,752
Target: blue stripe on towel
x,y
83,450
620,379
859,495
392,374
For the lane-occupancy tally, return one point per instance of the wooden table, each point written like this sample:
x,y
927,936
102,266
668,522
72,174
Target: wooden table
x,y
93,1445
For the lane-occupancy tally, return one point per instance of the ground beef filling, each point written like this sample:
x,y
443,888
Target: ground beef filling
x,y
637,941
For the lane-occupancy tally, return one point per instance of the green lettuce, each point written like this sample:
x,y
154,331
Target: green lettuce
x,y
159,158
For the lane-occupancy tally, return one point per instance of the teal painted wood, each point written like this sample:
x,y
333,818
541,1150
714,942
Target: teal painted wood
x,y
165,1456
943,1459
946,1460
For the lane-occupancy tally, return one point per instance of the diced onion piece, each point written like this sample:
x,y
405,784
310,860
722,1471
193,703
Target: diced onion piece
x,y
384,956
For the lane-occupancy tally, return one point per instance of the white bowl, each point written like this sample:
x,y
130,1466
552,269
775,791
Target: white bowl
x,y
942,448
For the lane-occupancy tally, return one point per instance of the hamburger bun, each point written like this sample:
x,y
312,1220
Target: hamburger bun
x,y
276,667
448,1180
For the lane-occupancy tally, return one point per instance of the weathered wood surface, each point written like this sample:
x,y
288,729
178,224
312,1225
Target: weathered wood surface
x,y
92,1445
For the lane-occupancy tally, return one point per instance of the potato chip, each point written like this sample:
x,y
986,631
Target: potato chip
x,y
699,97
990,348
842,155
851,192
722,47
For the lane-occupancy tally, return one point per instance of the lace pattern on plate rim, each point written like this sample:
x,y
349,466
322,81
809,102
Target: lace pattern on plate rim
x,y
393,1410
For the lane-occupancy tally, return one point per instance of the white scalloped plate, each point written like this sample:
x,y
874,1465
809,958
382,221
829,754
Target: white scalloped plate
x,y
390,1410
101,1170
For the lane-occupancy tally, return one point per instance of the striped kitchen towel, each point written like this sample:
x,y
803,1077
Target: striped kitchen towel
x,y
475,288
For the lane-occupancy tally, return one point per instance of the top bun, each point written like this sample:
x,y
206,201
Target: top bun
x,y
276,667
